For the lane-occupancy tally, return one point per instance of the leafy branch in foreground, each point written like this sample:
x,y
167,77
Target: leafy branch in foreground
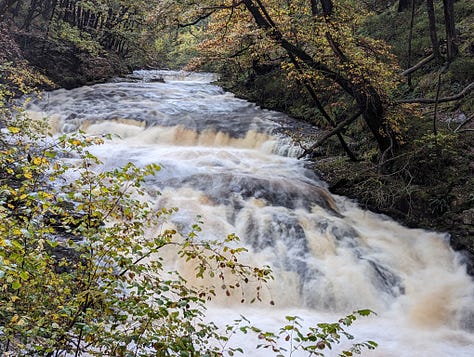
x,y
295,337
81,268
82,260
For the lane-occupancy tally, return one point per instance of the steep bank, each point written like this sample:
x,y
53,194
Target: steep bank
x,y
36,62
67,65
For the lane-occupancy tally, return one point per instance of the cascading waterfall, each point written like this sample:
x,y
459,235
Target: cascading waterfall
x,y
231,163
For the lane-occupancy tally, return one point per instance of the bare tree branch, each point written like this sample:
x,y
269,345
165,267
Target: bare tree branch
x,y
418,65
333,132
200,18
459,128
452,98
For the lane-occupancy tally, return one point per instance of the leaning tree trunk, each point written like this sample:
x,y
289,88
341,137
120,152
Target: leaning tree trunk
x,y
410,41
367,98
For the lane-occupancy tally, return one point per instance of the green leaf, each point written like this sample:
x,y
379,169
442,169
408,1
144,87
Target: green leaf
x,y
365,312
16,285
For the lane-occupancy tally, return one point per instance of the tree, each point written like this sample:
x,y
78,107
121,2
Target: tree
x,y
321,50
448,9
94,26
404,4
432,28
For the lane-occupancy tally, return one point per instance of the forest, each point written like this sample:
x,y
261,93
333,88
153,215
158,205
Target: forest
x,y
387,84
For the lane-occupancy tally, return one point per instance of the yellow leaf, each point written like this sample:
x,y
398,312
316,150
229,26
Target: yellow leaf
x,y
13,129
37,160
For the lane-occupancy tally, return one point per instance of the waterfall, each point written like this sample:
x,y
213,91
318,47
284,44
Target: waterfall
x,y
231,163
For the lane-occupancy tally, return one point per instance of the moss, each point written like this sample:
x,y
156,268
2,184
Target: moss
x,y
461,67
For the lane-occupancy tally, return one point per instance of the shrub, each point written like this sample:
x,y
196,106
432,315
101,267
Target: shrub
x,y
81,268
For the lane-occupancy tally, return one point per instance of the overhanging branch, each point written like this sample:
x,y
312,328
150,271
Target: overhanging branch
x,y
452,98
197,20
333,132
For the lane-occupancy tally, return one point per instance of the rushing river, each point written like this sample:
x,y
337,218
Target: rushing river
x,y
230,162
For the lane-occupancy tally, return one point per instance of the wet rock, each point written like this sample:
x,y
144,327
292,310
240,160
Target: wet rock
x,y
157,80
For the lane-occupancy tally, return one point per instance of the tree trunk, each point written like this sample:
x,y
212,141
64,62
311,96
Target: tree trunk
x,y
314,7
432,26
368,99
327,7
448,8
410,40
51,13
29,15
403,5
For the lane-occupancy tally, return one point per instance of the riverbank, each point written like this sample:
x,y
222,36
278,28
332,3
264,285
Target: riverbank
x,y
31,62
431,183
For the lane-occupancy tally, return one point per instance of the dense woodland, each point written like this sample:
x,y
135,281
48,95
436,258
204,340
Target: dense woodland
x,y
75,42
389,84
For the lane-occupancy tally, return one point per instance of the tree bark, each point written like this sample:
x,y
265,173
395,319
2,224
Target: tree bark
x,y
403,5
336,131
410,40
418,65
432,27
314,7
327,6
448,9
